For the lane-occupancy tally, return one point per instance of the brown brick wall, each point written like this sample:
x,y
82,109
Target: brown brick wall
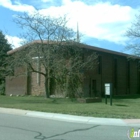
x,y
115,71
16,85
20,71
107,68
133,77
121,87
37,88
118,76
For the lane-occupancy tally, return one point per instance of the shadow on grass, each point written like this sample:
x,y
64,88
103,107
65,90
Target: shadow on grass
x,y
136,96
121,105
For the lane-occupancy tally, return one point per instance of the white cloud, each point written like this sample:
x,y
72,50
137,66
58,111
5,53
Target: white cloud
x,y
66,2
14,41
17,6
46,0
101,20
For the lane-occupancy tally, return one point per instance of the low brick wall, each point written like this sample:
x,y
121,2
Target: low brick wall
x,y
16,85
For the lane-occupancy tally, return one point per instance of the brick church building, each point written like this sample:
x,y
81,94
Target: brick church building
x,y
114,67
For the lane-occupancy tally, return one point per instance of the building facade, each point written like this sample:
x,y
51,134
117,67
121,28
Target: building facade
x,y
117,69
113,67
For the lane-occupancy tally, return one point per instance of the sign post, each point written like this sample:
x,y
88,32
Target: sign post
x,y
108,92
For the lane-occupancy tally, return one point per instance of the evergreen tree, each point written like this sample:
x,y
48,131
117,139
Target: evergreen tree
x,y
4,47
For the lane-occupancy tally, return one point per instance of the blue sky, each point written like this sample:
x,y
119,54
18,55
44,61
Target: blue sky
x,y
103,22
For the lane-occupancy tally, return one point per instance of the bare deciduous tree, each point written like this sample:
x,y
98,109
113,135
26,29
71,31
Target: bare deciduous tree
x,y
58,54
134,34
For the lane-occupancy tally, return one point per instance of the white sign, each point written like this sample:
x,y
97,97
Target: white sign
x,y
107,89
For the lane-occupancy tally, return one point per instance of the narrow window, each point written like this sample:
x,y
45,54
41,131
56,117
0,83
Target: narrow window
x,y
115,72
92,88
138,77
100,65
128,74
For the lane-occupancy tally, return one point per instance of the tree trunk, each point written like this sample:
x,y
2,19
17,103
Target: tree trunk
x,y
67,86
48,83
48,75
47,89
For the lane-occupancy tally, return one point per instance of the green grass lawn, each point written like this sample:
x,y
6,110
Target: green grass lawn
x,y
121,108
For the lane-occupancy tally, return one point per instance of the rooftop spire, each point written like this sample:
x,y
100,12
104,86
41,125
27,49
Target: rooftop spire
x,y
78,39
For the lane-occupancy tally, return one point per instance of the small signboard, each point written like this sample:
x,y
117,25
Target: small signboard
x,y
108,92
107,88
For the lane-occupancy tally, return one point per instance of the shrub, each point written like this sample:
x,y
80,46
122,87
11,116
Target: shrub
x,y
2,88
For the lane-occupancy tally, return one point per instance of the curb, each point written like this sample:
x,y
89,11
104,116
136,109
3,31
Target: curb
x,y
77,119
72,118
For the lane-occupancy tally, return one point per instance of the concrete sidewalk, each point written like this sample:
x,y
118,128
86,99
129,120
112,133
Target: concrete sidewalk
x,y
72,118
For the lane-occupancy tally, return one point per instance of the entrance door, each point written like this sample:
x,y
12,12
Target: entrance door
x,y
92,87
